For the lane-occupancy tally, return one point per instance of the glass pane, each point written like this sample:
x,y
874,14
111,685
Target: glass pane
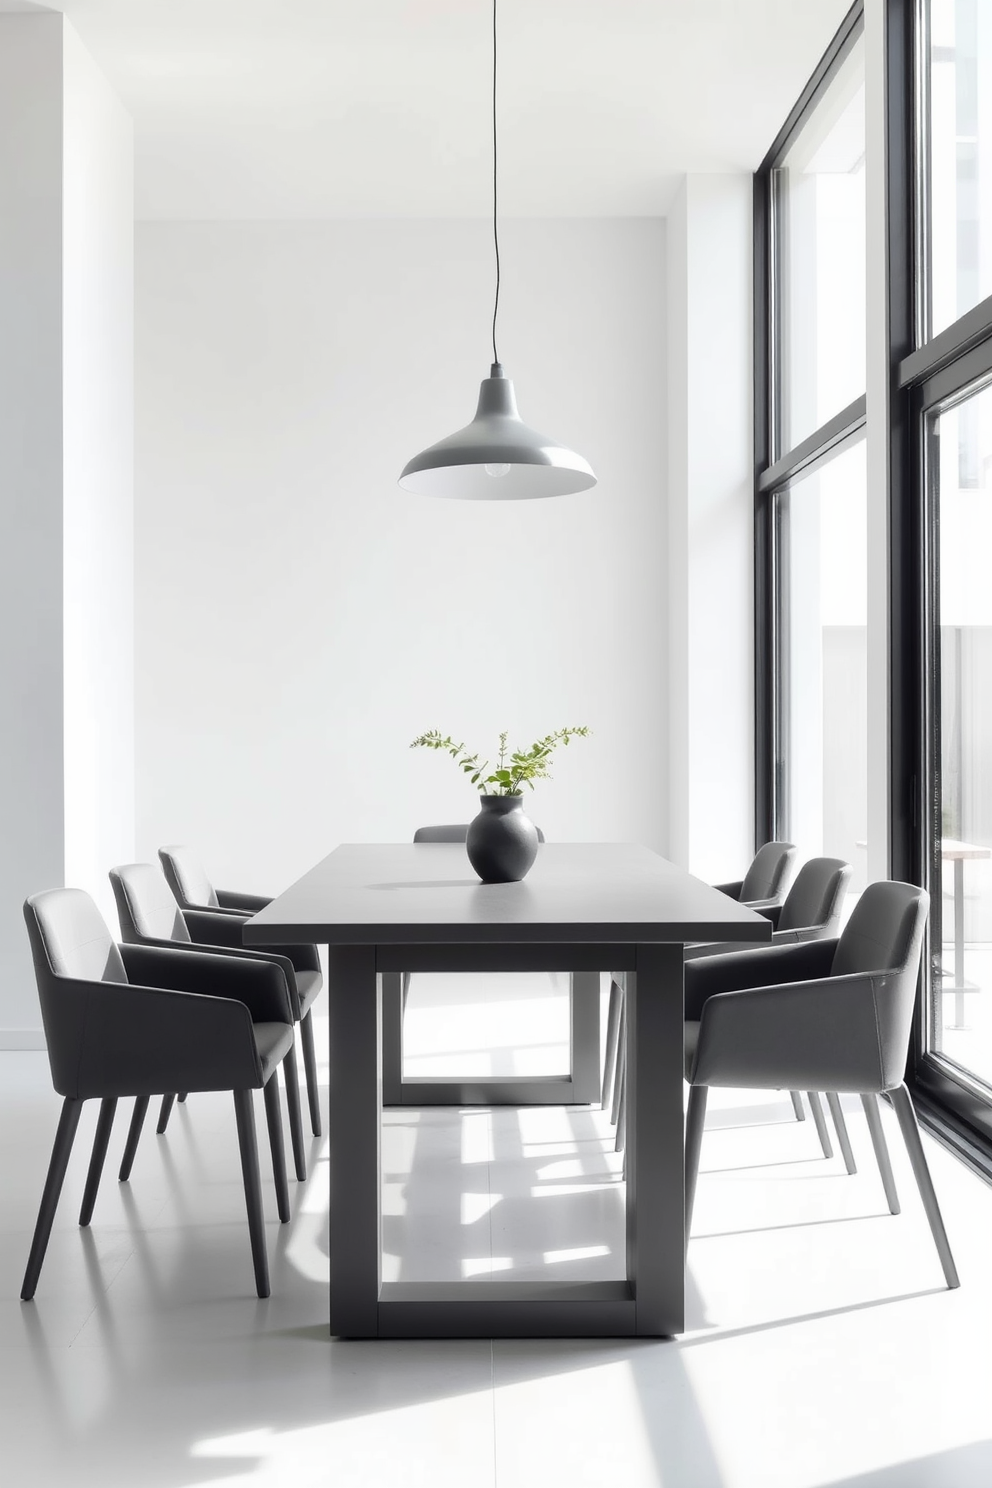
x,y
961,915
820,233
823,663
960,224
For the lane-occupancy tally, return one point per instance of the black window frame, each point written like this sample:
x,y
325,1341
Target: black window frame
x,y
926,372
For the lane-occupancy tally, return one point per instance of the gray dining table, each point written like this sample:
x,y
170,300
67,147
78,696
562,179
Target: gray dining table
x,y
585,908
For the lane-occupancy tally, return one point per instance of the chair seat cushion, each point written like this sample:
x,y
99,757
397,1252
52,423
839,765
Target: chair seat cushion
x,y
273,1042
308,984
690,1039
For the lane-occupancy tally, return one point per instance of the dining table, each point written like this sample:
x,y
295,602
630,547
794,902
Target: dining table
x,y
585,908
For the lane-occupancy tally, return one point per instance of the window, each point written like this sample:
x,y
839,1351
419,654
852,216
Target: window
x,y
818,205
957,148
822,668
810,499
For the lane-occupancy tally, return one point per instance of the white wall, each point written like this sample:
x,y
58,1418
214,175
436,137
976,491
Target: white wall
x,y
98,488
710,531
31,786
299,618
66,370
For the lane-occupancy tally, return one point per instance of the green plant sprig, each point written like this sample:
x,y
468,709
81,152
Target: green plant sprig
x,y
523,767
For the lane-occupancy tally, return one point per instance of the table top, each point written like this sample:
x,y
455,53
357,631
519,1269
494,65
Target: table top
x,y
427,893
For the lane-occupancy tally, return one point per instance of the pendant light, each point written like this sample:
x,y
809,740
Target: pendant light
x,y
496,457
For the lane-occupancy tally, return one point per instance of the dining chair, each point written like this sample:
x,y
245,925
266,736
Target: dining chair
x,y
193,890
149,915
766,877
832,1015
137,1020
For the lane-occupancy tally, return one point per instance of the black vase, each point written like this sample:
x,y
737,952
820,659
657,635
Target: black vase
x,y
501,842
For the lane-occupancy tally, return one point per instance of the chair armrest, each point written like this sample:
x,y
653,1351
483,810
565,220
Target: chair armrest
x,y
300,957
810,1035
147,1040
732,890
759,966
258,984
215,930
243,903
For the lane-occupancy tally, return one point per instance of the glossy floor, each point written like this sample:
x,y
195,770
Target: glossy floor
x,y
822,1348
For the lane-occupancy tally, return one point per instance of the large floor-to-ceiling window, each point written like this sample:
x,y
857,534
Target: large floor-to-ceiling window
x,y
812,500
811,485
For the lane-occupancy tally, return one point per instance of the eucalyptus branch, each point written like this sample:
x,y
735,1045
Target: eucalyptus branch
x,y
525,766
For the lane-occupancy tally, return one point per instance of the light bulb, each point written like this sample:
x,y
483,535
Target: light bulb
x,y
497,469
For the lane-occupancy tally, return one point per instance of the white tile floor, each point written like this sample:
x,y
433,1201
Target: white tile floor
x,y
822,1348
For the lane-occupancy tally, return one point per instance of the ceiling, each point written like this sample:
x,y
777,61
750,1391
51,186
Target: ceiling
x,y
339,108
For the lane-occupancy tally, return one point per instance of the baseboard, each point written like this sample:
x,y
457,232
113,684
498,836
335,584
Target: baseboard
x,y
22,1038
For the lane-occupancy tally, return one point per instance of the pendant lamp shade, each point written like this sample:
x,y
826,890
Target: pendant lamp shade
x,y
497,457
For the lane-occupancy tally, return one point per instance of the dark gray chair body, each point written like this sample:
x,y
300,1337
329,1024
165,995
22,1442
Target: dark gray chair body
x,y
766,878
149,915
811,909
831,1015
193,891
138,1021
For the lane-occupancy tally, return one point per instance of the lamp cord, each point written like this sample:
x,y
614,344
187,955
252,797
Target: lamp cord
x,y
495,230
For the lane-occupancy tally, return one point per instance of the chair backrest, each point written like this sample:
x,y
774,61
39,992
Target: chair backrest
x,y
69,942
187,878
885,935
452,833
146,905
765,878
816,897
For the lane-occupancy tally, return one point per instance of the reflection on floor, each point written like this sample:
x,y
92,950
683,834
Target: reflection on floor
x,y
822,1348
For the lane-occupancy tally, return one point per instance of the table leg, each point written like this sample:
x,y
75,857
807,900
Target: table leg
x,y
354,1004
654,1140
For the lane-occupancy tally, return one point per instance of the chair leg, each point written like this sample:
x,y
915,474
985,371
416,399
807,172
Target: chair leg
x,y
68,1122
797,1105
273,1116
870,1104
620,1064
619,1116
911,1136
405,988
612,1036
310,1067
164,1113
292,1077
245,1113
820,1122
133,1133
694,1122
833,1101
105,1121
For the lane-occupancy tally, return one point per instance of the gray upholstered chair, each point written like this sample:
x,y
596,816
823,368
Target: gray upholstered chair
x,y
830,1015
765,880
139,1020
149,915
187,878
761,887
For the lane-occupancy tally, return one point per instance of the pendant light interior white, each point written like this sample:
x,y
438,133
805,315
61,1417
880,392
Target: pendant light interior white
x,y
496,457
